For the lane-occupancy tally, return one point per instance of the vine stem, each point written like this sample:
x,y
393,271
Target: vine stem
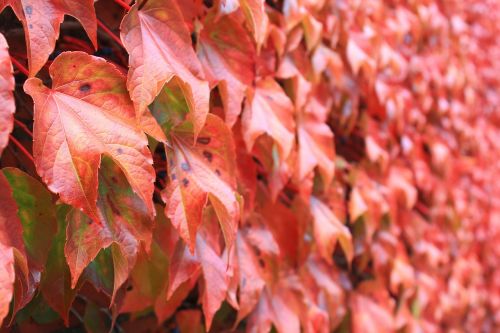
x,y
20,66
109,32
21,148
123,4
24,127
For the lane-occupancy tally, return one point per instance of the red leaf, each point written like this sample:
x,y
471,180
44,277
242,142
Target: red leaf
x,y
251,282
268,110
7,106
7,276
228,56
124,222
328,230
215,278
190,321
87,113
316,148
201,172
184,267
41,20
159,46
256,18
11,241
368,313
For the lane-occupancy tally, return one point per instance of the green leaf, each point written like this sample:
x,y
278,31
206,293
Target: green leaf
x,y
170,107
36,212
56,279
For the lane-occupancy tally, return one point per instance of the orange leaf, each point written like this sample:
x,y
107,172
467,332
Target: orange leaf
x,y
85,114
159,46
204,171
41,20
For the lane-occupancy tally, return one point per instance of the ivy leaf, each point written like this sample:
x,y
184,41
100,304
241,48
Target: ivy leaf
x,y
316,148
256,18
251,280
328,230
228,56
190,321
87,113
148,281
201,172
11,241
37,214
100,272
359,58
56,279
7,105
366,312
124,223
164,308
41,20
170,107
94,319
268,110
7,275
159,46
36,218
184,267
215,279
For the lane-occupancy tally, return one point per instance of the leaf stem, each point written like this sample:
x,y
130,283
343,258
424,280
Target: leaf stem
x,y
24,127
21,148
20,66
109,32
123,4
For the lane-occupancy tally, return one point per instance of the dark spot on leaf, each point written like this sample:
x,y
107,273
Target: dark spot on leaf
x,y
256,250
84,87
174,177
217,172
262,263
185,166
114,180
30,26
29,10
185,182
89,222
208,155
120,151
203,140
129,288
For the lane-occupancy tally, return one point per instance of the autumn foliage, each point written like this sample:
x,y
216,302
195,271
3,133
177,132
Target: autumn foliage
x,y
250,165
